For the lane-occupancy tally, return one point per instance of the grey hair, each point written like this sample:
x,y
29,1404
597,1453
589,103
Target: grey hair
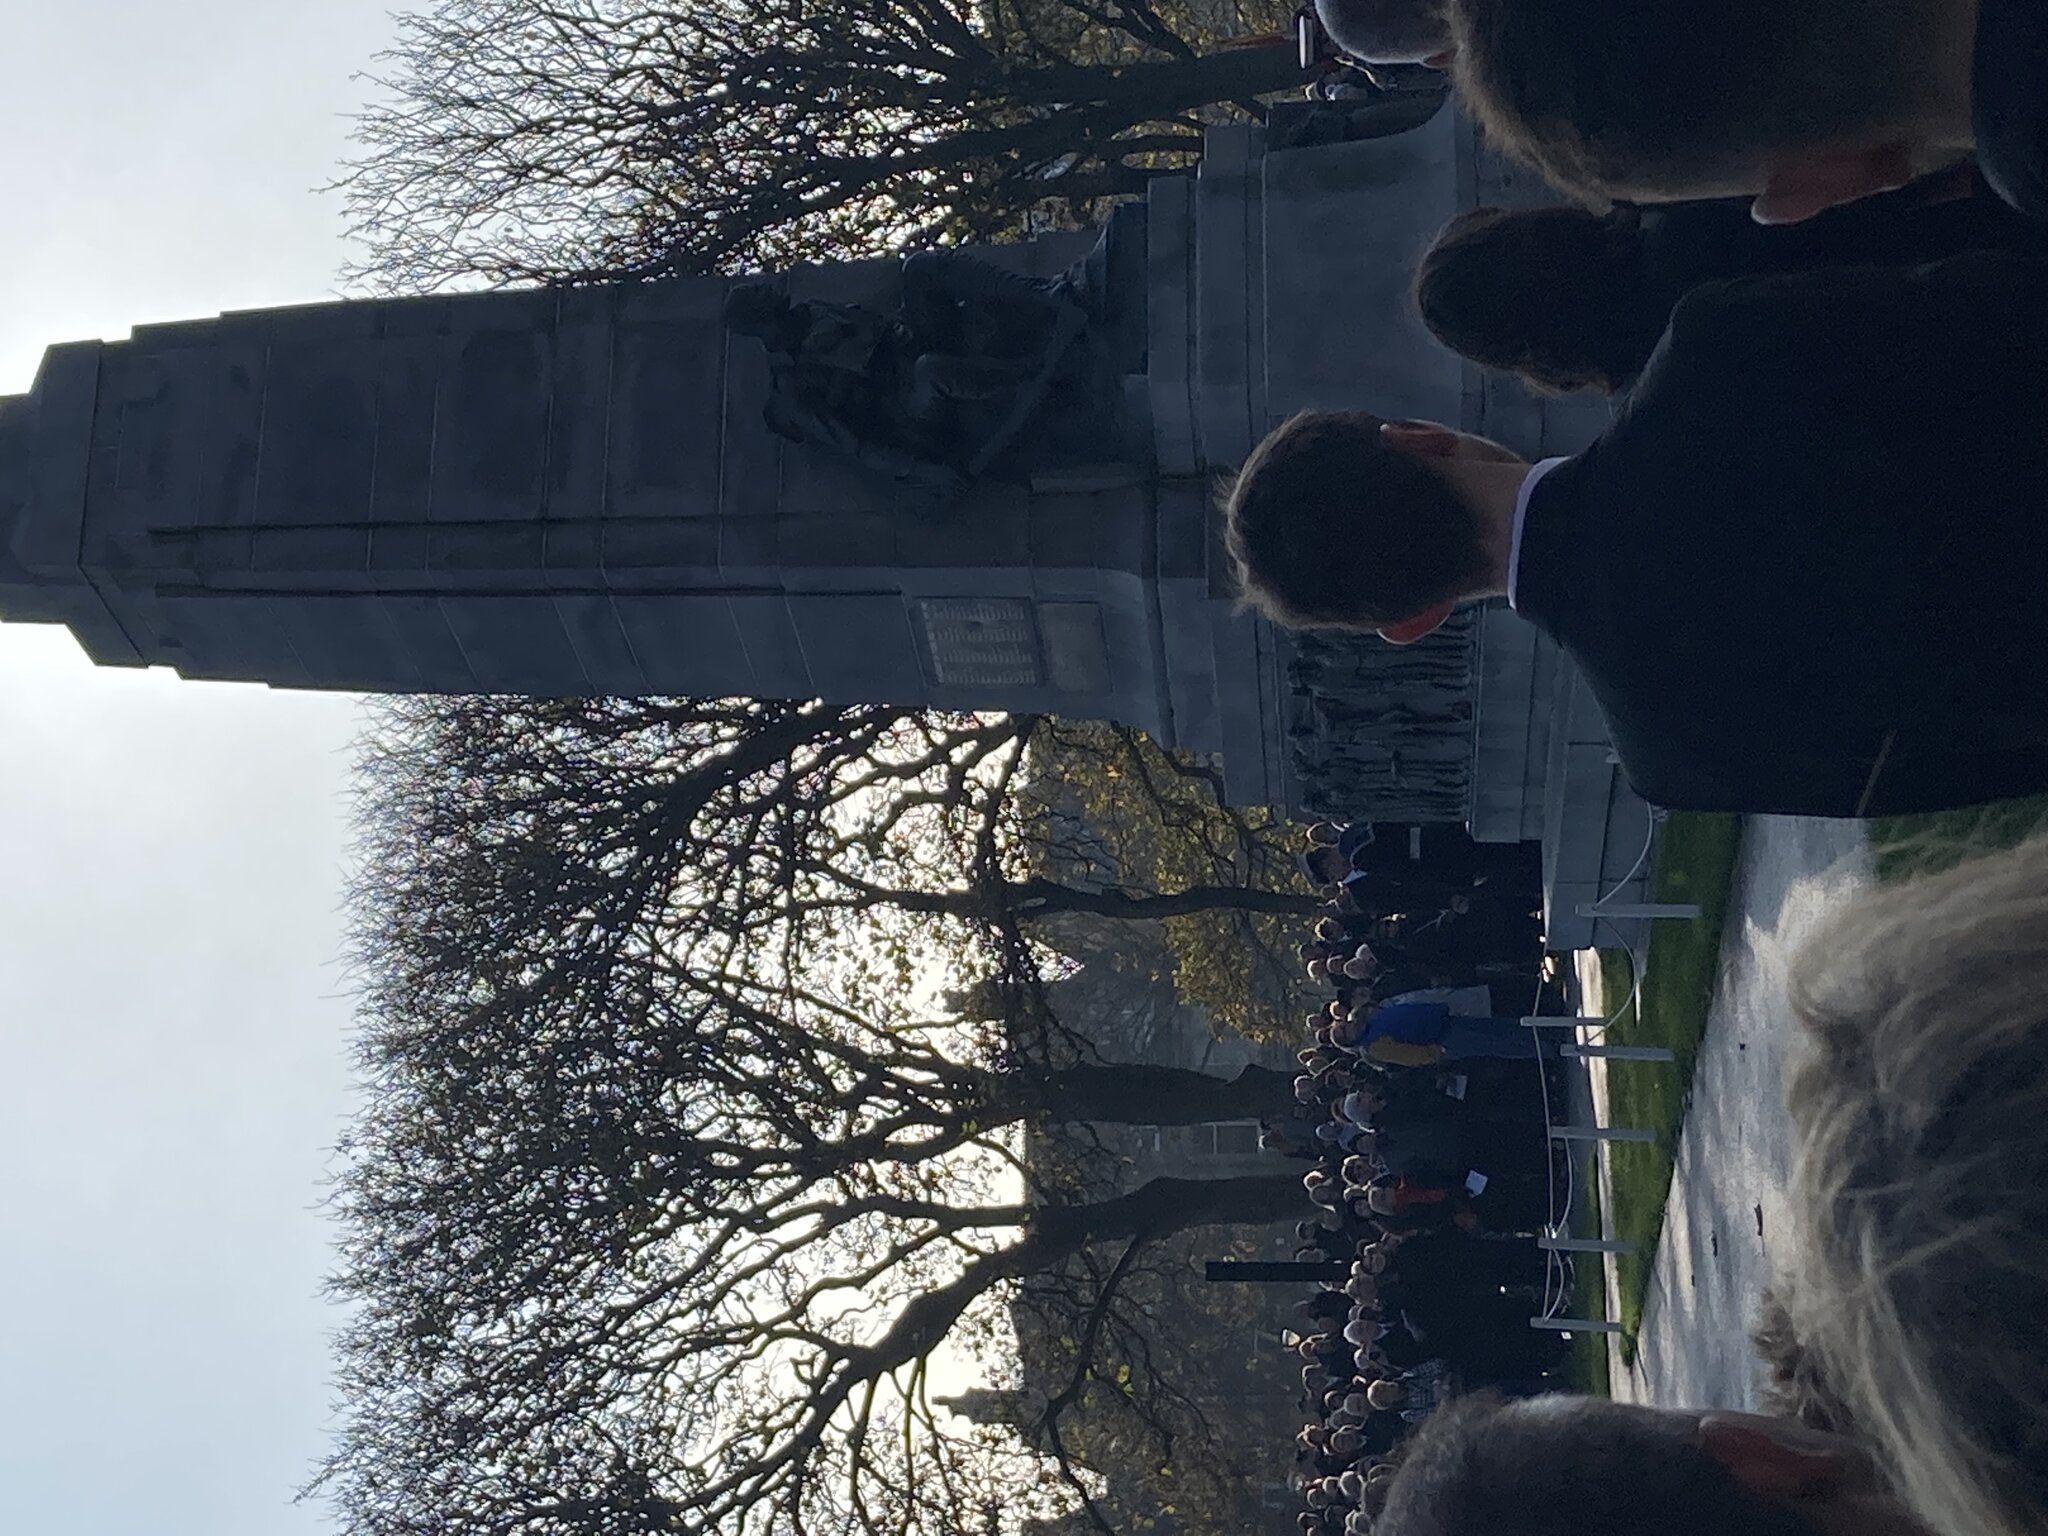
x,y
1919,1284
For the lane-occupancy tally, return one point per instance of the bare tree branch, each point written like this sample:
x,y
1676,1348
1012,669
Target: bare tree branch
x,y
672,1176
547,140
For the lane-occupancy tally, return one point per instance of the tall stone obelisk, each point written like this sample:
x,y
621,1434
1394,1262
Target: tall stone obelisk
x,y
564,492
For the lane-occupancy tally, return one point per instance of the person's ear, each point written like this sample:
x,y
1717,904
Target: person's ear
x,y
1409,630
1423,439
1803,183
1775,1466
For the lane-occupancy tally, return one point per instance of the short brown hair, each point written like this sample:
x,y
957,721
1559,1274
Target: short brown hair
x,y
1557,296
1608,96
1575,1467
1329,528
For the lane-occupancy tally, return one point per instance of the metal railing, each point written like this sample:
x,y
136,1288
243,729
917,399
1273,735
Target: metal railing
x,y
1556,1239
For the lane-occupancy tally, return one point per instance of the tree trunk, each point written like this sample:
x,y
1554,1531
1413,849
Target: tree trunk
x,y
1162,1207
1038,896
1087,104
1156,1209
1159,88
1148,1095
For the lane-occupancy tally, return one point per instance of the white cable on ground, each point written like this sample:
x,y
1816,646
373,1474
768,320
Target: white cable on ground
x,y
1595,1035
1559,1276
1559,1273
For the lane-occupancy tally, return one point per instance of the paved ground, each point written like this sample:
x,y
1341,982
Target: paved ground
x,y
1727,1206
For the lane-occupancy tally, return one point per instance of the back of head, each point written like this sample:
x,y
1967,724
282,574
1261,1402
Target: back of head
x,y
1920,1186
1568,1466
1555,295
1329,528
1616,97
1385,31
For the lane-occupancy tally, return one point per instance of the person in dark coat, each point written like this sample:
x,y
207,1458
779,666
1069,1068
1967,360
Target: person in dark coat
x,y
1458,1262
1805,572
1566,298
1483,1337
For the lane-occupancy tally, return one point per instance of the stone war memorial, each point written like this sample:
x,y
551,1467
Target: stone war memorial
x,y
708,486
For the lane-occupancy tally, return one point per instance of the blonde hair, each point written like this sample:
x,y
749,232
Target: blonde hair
x,y
1920,1184
1795,1385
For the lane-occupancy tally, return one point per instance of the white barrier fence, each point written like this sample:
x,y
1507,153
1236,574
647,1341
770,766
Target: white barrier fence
x,y
1556,1238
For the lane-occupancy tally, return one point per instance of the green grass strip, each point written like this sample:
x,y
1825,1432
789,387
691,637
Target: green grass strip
x,y
1589,1299
1696,863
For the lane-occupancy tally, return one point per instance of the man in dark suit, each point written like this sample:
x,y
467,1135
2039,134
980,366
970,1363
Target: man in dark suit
x,y
1805,571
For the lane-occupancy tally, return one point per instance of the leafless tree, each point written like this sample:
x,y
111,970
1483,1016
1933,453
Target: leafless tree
x,y
672,1179
523,140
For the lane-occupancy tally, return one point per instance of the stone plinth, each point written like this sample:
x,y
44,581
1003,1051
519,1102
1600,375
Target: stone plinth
x,y
573,492
567,493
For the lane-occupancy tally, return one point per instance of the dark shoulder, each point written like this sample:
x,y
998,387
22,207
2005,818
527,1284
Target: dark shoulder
x,y
1793,340
1686,244
1985,290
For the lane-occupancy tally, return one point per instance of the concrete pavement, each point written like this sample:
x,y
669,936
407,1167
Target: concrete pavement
x,y
1726,1211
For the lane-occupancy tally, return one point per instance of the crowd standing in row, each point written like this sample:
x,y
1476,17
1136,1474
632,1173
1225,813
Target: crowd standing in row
x,y
1424,1124
1805,570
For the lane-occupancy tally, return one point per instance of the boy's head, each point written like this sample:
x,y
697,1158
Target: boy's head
x,y
1341,521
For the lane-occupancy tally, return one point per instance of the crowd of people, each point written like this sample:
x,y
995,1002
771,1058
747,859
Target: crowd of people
x,y
1905,1338
1805,570
1424,1123
1802,570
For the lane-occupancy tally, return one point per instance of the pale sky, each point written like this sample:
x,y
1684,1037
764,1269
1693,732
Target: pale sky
x,y
172,1042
